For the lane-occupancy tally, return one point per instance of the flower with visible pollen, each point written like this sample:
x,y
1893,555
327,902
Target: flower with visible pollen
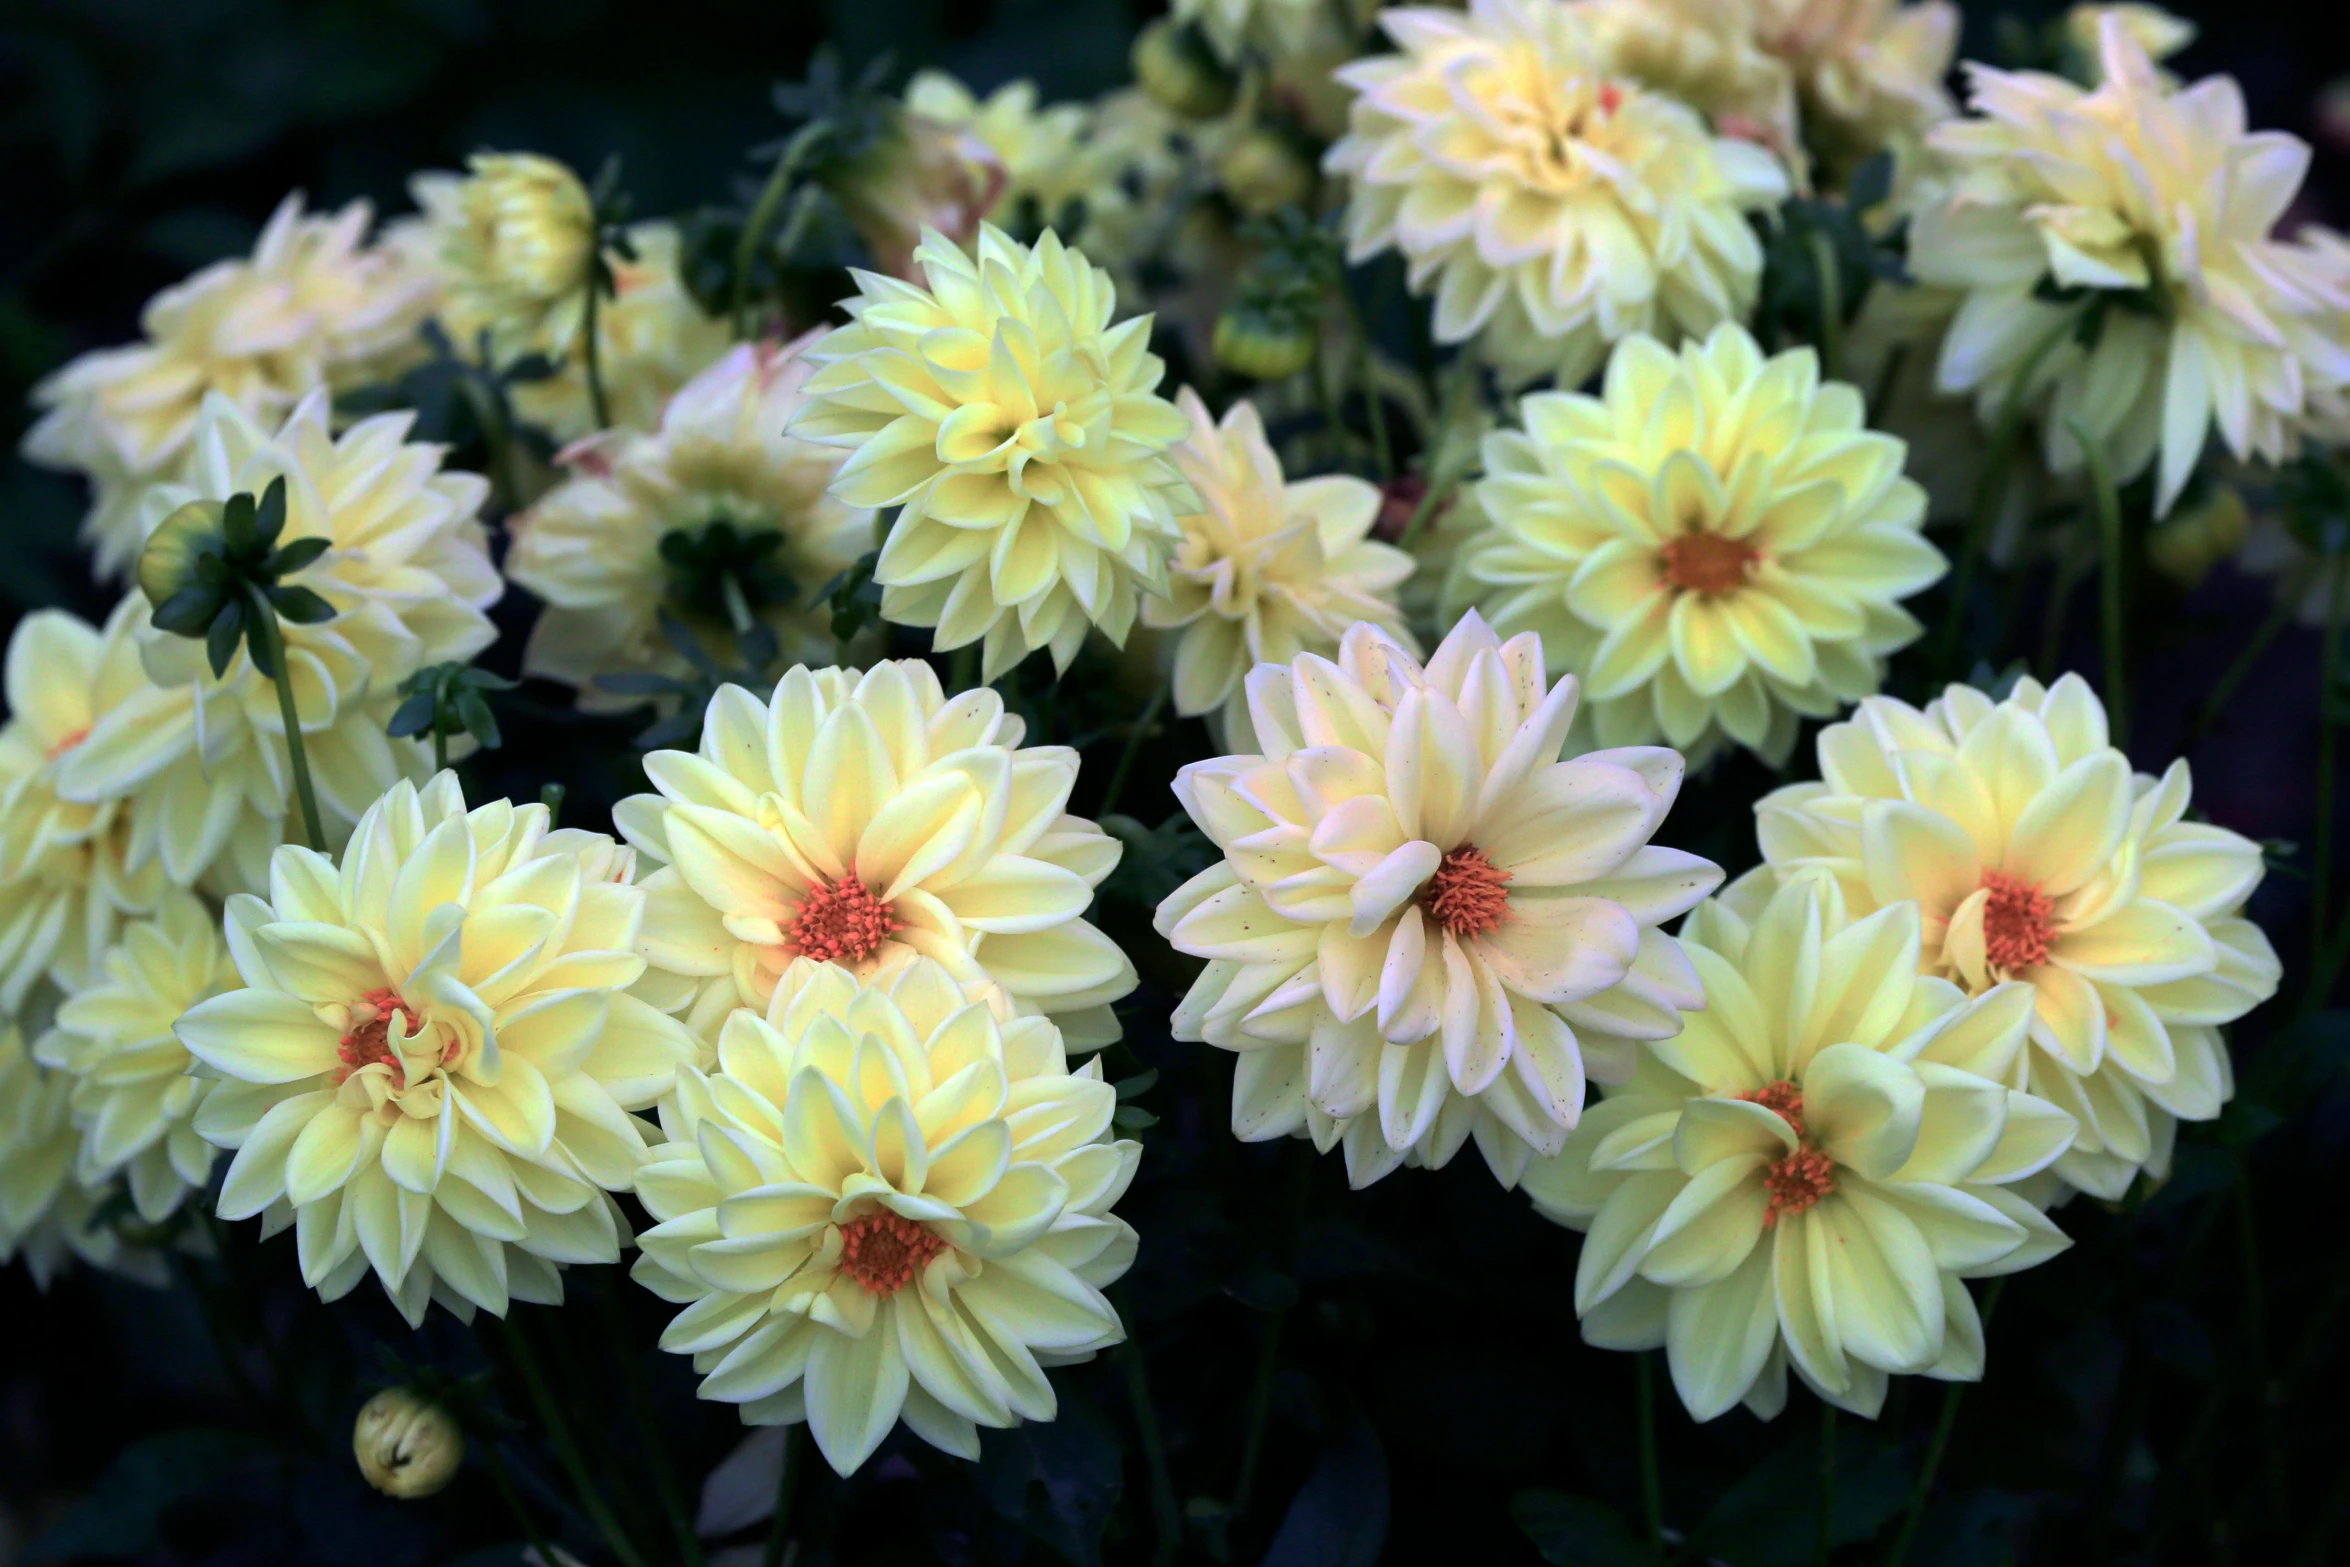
x,y
865,819
433,1057
2034,856
1020,434
1268,568
887,1203
1717,544
1426,925
1552,205
1809,1171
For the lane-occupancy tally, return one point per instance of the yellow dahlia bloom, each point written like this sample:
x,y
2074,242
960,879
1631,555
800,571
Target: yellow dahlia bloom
x,y
1019,433
1868,73
517,238
1552,205
1809,1171
201,760
591,547
2129,227
1717,544
2033,855
432,1057
1426,925
1276,29
314,305
1268,568
866,819
2157,31
1058,171
132,1096
47,1216
887,1202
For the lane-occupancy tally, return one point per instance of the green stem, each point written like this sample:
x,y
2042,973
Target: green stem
x,y
654,1451
963,669
1652,1487
1135,739
779,1529
2329,664
440,732
746,247
2109,537
1831,345
524,1518
1167,1521
1923,1490
273,646
598,406
1991,495
583,1482
1333,407
1260,1409
1374,410
1827,1542
2280,615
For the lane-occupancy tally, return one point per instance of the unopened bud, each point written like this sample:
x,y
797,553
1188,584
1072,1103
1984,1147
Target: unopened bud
x,y
1265,345
1177,66
167,563
407,1445
2185,548
1264,171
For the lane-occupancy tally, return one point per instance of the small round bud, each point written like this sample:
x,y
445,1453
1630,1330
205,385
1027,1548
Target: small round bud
x,y
1265,345
531,225
2199,537
1177,66
167,563
407,1445
1264,171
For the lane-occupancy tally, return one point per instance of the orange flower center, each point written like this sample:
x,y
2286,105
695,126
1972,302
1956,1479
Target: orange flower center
x,y
1469,894
884,1251
69,742
370,1038
1798,1180
1707,563
2019,922
842,922
1783,1098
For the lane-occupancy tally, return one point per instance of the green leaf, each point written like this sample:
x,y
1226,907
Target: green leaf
x,y
1575,1531
1133,1118
297,555
187,612
301,606
1137,1085
220,643
474,714
411,717
270,520
237,524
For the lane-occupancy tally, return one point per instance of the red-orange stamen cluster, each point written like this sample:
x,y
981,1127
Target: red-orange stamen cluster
x,y
886,1251
2019,922
1707,563
1800,1179
1611,97
1469,894
370,1039
1782,1097
842,922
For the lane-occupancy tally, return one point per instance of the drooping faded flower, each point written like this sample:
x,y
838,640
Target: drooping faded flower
x,y
1426,925
887,1203
1269,567
1717,544
1552,204
718,518
1020,433
2034,856
433,1055
867,819
1809,1171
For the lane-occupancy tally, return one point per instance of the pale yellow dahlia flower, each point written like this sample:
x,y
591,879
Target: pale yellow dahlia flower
x,y
2157,31
432,1058
1717,544
1059,172
132,1096
886,1203
1425,924
1553,205
2113,249
201,760
867,819
1276,29
1020,434
1269,567
314,305
1809,1171
517,240
2033,855
592,546
47,1216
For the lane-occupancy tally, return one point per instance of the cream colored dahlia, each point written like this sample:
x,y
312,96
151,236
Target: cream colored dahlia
x,y
886,1203
47,1216
1269,567
1807,1174
517,240
2034,856
1551,204
593,547
1426,925
314,305
1021,437
867,819
2115,255
1717,544
1868,74
201,760
1275,29
1059,172
132,1096
432,1058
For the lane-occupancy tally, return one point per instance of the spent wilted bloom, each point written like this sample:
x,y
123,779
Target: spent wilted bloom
x,y
314,305
1552,205
2114,255
432,1056
1269,567
1809,1171
1717,544
887,1203
1019,433
1425,924
717,519
47,1216
866,819
2034,855
407,1445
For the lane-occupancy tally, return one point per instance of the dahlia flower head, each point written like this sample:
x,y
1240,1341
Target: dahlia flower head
x,y
516,236
1020,435
1717,544
1268,567
1277,30
885,1202
1056,167
1552,205
1809,1171
592,546
865,818
432,1058
314,305
2113,253
47,1216
2035,857
1426,925
200,760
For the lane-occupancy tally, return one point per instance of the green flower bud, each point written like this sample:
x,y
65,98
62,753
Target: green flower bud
x,y
1176,65
1265,345
2198,538
407,1445
168,562
1264,171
